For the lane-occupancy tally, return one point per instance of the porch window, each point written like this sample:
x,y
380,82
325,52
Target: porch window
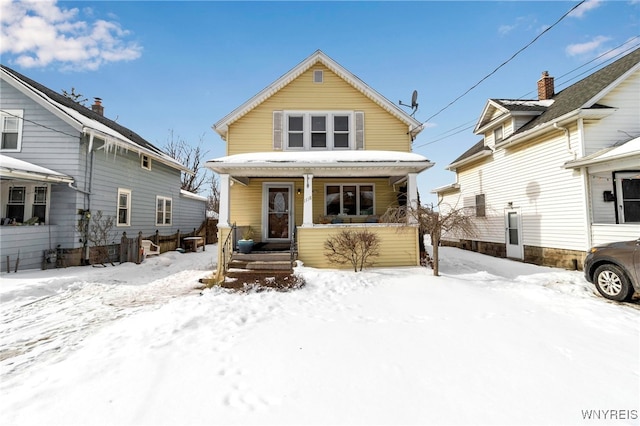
x,y
40,203
163,211
15,205
124,207
628,192
11,127
350,200
319,130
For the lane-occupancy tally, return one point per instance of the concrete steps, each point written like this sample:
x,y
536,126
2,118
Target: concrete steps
x,y
262,262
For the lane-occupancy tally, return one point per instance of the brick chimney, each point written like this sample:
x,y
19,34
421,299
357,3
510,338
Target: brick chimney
x,y
97,106
545,86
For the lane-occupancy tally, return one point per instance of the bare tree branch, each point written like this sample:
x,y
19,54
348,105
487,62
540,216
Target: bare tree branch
x,y
190,157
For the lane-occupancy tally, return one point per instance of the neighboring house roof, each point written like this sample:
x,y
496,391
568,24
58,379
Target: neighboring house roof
x,y
321,162
86,120
478,150
12,168
623,151
581,97
222,126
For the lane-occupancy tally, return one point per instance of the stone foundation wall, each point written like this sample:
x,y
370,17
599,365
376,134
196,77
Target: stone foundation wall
x,y
544,256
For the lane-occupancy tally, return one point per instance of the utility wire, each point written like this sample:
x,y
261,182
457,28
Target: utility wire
x,y
38,124
505,62
621,53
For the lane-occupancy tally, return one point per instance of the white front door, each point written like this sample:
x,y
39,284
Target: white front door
x,y
277,212
513,234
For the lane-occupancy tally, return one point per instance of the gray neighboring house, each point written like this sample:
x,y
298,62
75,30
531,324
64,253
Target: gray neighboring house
x,y
60,160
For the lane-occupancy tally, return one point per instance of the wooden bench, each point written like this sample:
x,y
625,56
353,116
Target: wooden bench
x,y
193,243
150,248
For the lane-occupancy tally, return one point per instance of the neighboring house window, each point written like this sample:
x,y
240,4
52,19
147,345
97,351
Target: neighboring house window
x,y
145,162
318,76
628,194
124,207
15,205
163,211
498,135
326,130
40,203
351,200
11,123
480,206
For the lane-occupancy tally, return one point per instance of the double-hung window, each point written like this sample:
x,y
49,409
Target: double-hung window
x,y
124,207
349,199
163,210
11,127
15,204
319,130
40,203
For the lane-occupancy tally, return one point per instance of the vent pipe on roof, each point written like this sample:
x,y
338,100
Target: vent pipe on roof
x,y
97,106
545,86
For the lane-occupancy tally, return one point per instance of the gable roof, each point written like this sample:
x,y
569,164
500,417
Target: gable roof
x,y
581,96
222,126
86,120
507,108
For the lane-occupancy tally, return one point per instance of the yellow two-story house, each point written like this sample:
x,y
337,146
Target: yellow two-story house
x,y
315,152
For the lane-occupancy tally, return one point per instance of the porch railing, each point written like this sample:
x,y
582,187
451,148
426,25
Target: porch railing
x,y
227,252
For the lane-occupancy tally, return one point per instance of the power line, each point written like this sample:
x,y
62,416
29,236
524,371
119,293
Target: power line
x,y
38,124
505,62
619,54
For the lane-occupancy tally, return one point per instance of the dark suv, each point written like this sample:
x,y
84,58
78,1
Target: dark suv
x,y
614,269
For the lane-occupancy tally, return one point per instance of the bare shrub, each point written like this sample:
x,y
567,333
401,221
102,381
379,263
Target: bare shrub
x,y
351,246
98,230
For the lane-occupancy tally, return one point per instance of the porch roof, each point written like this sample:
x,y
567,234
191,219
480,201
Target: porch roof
x,y
321,163
12,168
615,155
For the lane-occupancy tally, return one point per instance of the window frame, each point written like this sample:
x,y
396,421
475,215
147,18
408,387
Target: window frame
x,y
127,192
163,212
358,197
500,129
145,158
318,76
330,132
620,196
18,115
481,205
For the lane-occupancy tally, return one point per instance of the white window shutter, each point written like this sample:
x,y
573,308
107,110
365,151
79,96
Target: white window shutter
x,y
359,129
277,130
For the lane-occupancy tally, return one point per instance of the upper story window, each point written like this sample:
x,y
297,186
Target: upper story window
x,y
11,127
124,207
319,130
318,76
145,162
498,135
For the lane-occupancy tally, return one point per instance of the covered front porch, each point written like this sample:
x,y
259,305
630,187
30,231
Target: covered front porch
x,y
301,200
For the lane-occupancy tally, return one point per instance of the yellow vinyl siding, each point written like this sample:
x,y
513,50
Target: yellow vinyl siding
x,y
398,245
254,131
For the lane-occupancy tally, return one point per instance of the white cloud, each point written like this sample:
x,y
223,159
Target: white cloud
x,y
39,33
587,47
585,7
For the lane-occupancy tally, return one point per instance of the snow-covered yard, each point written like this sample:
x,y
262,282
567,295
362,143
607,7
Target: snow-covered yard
x,y
492,341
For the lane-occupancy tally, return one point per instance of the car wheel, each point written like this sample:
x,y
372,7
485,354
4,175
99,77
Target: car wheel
x,y
612,283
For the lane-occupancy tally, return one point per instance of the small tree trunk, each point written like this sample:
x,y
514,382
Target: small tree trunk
x,y
435,240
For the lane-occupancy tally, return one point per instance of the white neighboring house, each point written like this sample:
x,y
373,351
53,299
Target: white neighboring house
x,y
554,176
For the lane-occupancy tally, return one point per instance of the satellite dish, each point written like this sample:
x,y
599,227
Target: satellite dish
x,y
414,102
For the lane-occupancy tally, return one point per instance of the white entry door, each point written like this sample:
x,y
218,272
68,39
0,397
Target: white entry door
x,y
513,234
277,212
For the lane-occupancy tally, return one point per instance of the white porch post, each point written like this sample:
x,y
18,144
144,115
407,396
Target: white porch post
x,y
412,196
223,214
307,212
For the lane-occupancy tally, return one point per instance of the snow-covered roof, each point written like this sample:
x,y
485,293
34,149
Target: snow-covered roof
x,y
349,163
13,168
192,195
87,121
619,152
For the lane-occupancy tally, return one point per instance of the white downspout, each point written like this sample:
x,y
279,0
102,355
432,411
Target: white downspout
x,y
566,132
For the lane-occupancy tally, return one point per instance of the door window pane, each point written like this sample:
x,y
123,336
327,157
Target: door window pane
x,y
513,229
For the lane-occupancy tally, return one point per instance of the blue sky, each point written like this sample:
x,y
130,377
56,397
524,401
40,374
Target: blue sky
x,y
182,66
